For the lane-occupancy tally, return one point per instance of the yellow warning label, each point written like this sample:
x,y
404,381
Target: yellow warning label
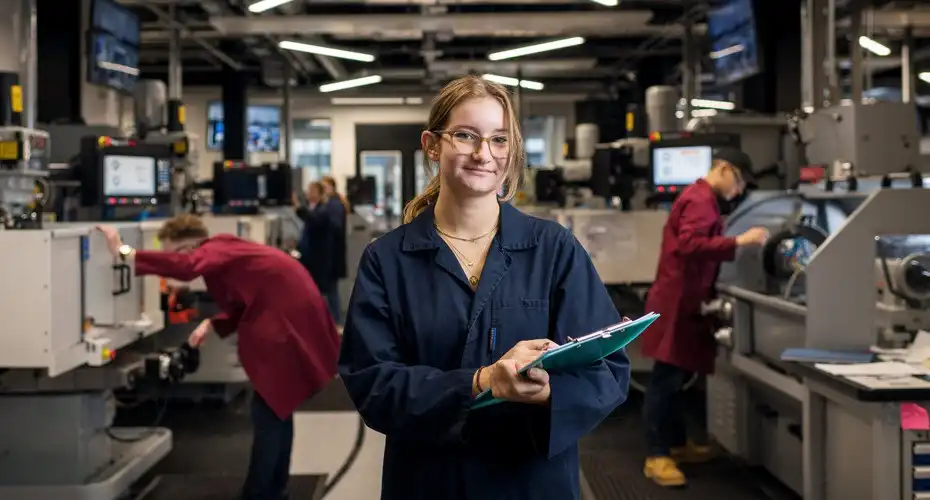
x,y
16,98
180,148
630,122
9,150
181,114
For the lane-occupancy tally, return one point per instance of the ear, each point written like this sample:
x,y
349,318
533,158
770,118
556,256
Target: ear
x,y
430,145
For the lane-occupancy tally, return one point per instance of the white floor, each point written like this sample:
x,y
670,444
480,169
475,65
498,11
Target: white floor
x,y
323,441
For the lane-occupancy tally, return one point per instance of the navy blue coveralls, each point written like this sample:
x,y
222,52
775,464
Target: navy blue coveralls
x,y
416,333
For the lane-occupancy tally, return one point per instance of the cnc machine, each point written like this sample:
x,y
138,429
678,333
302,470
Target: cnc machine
x,y
843,271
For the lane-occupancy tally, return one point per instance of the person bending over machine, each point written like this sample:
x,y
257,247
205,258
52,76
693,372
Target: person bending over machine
x,y
287,343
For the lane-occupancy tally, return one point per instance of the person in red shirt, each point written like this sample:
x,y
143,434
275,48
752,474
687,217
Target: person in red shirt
x,y
288,343
681,341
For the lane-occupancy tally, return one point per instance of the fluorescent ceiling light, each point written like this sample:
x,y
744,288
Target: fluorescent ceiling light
x,y
535,49
375,101
513,82
119,68
263,5
728,51
607,3
326,51
873,46
925,76
349,84
712,104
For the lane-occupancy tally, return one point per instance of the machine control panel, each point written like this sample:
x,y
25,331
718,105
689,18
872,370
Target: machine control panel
x,y
121,172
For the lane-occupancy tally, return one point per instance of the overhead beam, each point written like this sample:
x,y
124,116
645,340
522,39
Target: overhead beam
x,y
412,26
165,18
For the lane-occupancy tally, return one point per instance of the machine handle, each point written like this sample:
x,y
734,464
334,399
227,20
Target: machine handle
x,y
125,279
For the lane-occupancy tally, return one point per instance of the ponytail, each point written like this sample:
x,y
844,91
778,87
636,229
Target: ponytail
x,y
417,205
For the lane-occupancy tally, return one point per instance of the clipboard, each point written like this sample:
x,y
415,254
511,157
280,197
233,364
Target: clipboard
x,y
582,351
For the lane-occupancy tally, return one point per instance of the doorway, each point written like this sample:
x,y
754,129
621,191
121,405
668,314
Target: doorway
x,y
386,168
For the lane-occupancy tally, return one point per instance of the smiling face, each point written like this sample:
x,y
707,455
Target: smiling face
x,y
472,148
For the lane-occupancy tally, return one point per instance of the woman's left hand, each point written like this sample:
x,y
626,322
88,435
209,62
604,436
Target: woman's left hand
x,y
113,239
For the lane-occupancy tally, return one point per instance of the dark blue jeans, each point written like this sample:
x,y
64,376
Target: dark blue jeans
x,y
270,462
664,409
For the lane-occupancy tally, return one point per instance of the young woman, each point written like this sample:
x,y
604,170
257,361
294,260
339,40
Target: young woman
x,y
457,300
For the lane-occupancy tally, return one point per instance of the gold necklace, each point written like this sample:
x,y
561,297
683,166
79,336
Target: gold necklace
x,y
459,238
472,277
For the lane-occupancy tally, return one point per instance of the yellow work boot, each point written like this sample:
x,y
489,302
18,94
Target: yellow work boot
x,y
664,472
692,453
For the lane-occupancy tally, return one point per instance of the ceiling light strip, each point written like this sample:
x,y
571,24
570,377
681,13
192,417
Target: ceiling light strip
x,y
325,51
513,82
349,84
263,5
536,48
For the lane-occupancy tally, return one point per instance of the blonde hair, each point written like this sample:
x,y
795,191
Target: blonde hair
x,y
342,199
449,98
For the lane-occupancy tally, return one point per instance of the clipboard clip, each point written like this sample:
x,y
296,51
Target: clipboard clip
x,y
590,336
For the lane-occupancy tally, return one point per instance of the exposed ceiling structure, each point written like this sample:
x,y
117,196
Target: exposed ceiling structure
x,y
413,46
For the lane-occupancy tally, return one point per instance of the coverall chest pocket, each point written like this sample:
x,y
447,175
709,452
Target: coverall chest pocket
x,y
515,320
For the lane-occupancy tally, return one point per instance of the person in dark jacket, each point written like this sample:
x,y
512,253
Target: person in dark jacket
x,y
317,239
287,341
339,210
458,299
681,341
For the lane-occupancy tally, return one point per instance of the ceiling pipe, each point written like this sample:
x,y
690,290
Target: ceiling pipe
x,y
165,18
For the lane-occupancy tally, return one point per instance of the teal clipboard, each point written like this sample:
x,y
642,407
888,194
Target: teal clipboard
x,y
581,351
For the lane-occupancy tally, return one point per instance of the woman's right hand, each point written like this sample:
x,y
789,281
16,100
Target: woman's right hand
x,y
504,377
509,384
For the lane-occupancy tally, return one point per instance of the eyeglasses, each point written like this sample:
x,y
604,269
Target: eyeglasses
x,y
468,143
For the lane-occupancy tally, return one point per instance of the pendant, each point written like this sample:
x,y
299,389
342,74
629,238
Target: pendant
x,y
469,264
473,280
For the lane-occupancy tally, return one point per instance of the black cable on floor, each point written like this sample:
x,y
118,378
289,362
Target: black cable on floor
x,y
163,405
350,460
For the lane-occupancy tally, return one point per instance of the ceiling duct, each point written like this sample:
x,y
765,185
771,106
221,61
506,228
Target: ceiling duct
x,y
629,23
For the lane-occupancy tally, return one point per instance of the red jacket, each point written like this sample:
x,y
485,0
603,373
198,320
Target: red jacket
x,y
693,246
288,343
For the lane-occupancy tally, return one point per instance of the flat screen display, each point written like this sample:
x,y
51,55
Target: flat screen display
x,y
244,185
112,63
116,20
263,123
734,48
680,166
130,176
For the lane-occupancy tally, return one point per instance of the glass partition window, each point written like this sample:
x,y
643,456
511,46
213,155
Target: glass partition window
x,y
311,148
385,167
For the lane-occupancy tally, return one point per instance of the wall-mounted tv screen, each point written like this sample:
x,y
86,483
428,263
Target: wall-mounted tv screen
x,y
734,47
263,122
111,62
119,21
113,46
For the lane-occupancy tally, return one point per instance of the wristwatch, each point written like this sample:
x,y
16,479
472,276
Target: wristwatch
x,y
124,251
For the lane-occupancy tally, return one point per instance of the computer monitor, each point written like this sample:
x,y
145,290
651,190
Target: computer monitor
x,y
238,185
129,176
679,166
121,172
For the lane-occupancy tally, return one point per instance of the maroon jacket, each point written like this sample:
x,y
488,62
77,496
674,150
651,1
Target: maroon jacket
x,y
693,246
288,343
